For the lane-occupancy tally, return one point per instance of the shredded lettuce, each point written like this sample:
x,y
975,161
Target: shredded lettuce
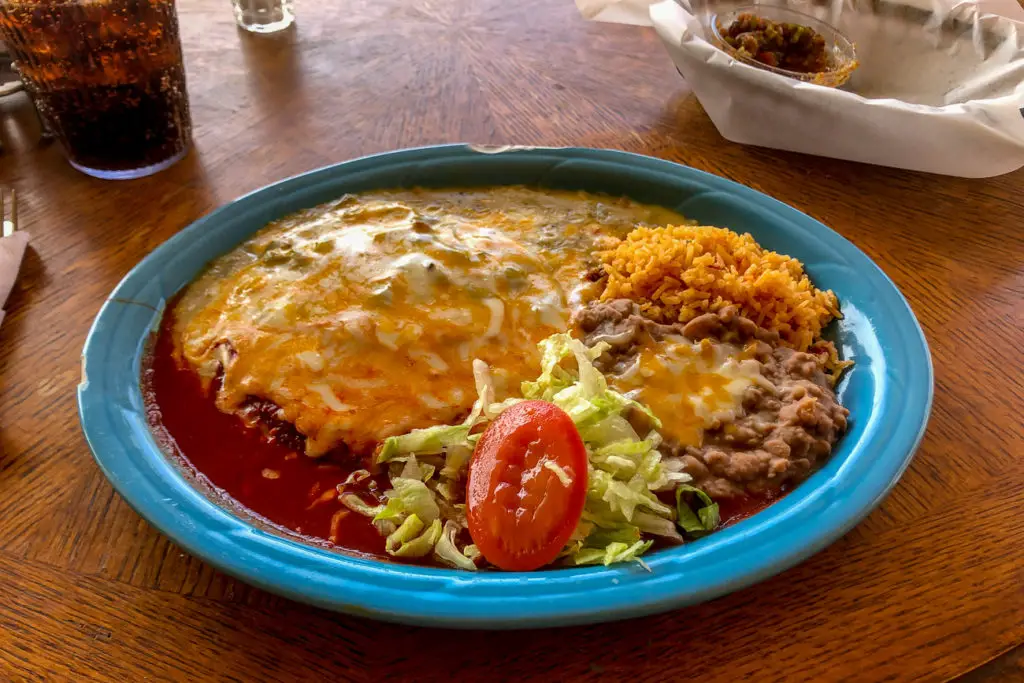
x,y
446,489
447,552
484,391
657,526
604,537
552,376
625,447
563,476
358,505
625,496
672,474
406,531
423,441
354,478
408,497
585,397
459,515
414,469
705,519
609,430
410,540
612,553
495,409
455,461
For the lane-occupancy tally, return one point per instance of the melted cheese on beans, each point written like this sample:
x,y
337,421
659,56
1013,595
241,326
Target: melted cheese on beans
x,y
689,386
360,318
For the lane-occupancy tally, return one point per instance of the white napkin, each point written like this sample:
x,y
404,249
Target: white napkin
x,y
12,250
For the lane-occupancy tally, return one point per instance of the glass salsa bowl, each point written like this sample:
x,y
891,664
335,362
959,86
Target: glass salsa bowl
x,y
840,51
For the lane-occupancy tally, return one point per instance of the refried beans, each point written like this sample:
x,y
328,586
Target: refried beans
x,y
789,421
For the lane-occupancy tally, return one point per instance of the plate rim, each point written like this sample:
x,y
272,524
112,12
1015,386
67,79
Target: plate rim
x,y
367,587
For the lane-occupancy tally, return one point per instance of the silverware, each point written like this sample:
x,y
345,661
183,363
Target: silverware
x,y
8,212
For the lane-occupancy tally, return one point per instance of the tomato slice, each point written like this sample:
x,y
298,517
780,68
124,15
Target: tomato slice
x,y
527,485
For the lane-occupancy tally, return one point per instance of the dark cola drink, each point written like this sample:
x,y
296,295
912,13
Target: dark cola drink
x,y
107,77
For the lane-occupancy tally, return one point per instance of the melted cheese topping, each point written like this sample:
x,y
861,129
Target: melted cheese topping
x,y
360,318
690,387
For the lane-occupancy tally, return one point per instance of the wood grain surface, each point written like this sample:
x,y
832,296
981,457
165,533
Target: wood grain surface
x,y
930,586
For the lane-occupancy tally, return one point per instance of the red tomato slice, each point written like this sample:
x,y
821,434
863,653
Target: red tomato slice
x,y
527,485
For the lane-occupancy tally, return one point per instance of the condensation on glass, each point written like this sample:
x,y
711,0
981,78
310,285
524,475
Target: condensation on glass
x,y
107,77
264,16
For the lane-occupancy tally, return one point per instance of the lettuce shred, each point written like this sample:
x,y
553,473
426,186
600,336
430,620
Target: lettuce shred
x,y
705,519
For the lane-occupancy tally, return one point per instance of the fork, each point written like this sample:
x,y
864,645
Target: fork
x,y
8,217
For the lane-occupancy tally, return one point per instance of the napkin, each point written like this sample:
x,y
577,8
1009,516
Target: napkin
x,y
940,87
12,250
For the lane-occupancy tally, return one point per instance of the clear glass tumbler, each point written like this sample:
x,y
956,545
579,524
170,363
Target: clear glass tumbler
x,y
264,16
107,77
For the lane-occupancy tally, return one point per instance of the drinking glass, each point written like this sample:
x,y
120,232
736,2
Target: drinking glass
x,y
107,77
264,16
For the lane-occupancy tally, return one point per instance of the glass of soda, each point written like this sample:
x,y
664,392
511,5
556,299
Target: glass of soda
x,y
107,77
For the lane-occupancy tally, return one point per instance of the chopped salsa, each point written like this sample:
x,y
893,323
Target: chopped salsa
x,y
783,45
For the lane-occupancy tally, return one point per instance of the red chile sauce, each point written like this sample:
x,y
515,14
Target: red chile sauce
x,y
232,461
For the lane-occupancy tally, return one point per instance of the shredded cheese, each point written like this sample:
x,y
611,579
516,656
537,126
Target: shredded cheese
x,y
359,318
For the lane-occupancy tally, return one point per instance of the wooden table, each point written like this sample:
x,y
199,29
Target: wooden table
x,y
928,587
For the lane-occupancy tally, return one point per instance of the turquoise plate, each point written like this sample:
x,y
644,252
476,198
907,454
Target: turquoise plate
x,y
888,392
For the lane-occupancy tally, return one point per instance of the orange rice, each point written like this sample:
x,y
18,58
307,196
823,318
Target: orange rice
x,y
678,272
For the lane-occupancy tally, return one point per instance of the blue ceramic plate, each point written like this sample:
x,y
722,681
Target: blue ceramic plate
x,y
888,392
